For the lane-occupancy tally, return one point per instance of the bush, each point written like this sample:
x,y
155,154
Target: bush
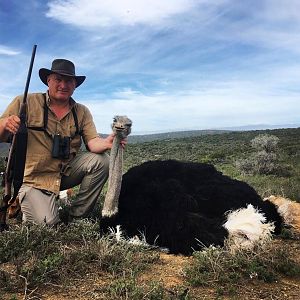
x,y
265,142
265,160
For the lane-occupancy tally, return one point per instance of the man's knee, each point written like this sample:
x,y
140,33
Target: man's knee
x,y
38,216
38,207
105,162
99,162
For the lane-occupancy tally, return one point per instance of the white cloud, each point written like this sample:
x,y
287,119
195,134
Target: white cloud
x,y
219,105
8,51
94,13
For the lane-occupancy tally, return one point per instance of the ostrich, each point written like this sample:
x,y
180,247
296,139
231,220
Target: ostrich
x,y
182,206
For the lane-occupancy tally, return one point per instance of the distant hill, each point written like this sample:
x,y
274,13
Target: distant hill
x,y
4,147
141,138
261,127
171,135
194,133
149,137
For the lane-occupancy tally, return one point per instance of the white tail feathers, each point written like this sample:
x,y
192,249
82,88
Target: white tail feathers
x,y
247,227
137,241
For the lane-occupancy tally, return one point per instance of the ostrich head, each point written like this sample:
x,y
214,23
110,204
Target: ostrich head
x,y
121,126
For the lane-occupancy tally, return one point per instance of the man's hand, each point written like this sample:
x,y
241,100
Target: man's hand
x,y
100,145
11,124
110,138
123,143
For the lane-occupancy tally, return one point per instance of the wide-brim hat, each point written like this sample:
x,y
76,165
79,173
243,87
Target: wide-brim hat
x,y
62,67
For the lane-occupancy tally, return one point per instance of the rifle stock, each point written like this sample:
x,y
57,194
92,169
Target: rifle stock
x,y
14,171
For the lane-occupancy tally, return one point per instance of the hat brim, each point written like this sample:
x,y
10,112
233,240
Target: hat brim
x,y
44,73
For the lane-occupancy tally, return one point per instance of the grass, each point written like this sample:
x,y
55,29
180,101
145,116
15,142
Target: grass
x,y
226,271
41,255
34,256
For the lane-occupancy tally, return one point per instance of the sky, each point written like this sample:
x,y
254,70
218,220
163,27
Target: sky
x,y
167,64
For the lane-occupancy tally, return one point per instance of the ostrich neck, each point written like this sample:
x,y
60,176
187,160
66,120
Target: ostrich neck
x,y
110,206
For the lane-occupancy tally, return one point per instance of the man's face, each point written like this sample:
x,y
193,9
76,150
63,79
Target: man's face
x,y
61,87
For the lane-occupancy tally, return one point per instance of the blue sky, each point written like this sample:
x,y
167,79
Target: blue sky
x,y
168,65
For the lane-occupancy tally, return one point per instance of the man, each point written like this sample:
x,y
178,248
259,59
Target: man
x,y
56,125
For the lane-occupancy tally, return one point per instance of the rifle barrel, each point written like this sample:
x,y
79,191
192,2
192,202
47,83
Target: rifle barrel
x,y
29,76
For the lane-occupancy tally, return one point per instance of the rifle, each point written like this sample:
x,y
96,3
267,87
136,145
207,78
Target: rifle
x,y
14,171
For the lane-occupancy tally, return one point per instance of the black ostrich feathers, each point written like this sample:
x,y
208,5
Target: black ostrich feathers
x,y
182,205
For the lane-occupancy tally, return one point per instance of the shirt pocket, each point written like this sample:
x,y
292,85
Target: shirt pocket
x,y
36,120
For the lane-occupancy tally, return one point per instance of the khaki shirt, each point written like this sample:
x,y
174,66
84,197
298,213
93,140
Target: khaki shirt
x,y
41,170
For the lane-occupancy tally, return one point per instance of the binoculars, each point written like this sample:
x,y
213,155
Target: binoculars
x,y
61,146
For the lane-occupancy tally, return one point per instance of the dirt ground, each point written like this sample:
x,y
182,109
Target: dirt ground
x,y
169,272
